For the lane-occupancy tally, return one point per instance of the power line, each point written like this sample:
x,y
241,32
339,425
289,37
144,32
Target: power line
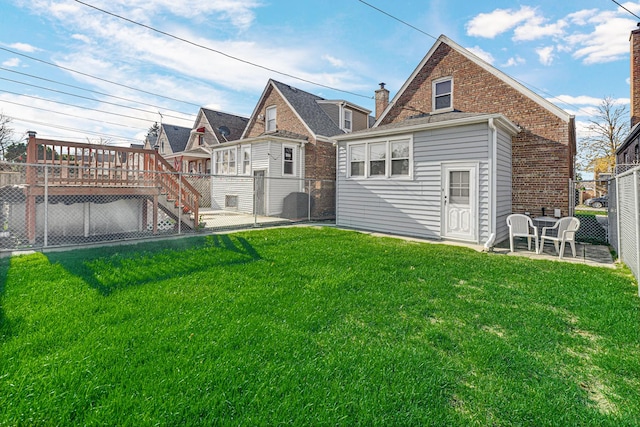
x,y
53,126
91,91
518,80
97,78
61,113
396,18
626,9
85,97
235,58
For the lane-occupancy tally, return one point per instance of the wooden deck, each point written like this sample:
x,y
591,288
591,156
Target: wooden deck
x,y
62,168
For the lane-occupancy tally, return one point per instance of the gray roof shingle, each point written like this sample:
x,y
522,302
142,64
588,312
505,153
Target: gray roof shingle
x,y
307,107
234,124
177,136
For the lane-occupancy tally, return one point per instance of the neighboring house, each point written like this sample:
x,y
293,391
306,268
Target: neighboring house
x,y
171,139
461,146
628,153
210,129
289,142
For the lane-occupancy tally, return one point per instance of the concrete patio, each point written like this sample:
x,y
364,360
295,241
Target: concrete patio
x,y
595,255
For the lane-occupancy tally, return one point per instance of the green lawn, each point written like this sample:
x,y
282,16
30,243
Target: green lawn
x,y
314,326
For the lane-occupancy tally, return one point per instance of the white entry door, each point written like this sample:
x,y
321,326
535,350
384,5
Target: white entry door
x,y
459,201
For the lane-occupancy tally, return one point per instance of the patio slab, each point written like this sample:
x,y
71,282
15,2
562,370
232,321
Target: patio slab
x,y
595,255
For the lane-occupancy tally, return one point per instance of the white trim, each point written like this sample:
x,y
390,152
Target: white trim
x,y
433,94
271,109
481,63
388,159
244,149
499,119
474,199
293,160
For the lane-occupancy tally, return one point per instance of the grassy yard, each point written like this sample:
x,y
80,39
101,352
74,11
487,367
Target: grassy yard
x,y
314,326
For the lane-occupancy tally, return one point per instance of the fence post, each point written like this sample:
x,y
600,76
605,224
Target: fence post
x,y
255,200
180,203
309,202
46,205
636,203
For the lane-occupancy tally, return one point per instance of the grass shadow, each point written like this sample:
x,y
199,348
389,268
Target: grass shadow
x,y
118,267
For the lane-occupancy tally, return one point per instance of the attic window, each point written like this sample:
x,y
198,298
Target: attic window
x,y
348,120
270,120
443,94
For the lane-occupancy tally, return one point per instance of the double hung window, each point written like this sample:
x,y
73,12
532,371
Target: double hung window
x,y
380,159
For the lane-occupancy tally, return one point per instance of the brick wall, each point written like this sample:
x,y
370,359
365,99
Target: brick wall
x,y
320,157
542,152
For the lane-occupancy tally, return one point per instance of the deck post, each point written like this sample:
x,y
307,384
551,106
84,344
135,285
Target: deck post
x,y
155,214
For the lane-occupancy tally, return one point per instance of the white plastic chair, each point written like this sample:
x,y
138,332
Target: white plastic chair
x,y
566,232
522,226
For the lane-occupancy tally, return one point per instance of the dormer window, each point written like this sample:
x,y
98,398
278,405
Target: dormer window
x,y
443,94
200,133
270,119
348,120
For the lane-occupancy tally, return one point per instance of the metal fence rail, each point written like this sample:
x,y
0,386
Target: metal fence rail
x,y
68,212
628,219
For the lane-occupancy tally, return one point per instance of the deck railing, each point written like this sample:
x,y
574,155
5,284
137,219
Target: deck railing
x,y
78,164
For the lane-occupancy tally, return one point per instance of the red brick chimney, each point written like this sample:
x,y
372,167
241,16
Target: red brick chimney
x,y
635,76
382,100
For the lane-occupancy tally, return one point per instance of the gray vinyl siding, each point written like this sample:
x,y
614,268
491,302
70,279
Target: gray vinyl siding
x,y
413,206
240,186
504,185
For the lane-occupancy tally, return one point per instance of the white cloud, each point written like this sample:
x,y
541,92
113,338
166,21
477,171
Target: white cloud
x,y
338,63
486,56
534,29
489,25
11,62
545,55
23,47
514,61
81,37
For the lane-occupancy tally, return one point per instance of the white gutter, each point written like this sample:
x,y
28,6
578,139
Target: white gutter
x,y
493,184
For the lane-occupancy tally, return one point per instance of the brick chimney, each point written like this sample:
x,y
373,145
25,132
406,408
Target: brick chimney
x,y
382,100
635,76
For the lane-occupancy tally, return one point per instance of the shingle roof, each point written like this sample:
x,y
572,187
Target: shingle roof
x,y
307,107
177,136
219,120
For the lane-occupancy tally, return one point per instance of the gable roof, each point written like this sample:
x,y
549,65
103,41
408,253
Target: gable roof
x,y
559,112
219,120
305,106
177,136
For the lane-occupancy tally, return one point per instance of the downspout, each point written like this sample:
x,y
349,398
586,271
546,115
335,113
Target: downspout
x,y
493,185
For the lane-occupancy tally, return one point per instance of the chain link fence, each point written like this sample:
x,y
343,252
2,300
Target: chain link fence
x,y
47,206
625,219
590,204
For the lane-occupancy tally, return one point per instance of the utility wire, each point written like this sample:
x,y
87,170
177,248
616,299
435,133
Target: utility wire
x,y
92,91
235,58
94,77
82,131
90,99
397,19
626,9
63,114
72,105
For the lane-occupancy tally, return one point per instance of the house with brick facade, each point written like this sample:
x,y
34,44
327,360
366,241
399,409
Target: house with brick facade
x,y
628,153
460,147
287,152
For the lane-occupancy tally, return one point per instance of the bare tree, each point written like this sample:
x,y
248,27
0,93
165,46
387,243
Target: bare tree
x,y
606,131
6,135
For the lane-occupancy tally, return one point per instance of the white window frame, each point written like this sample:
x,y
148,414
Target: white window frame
x,y
388,168
293,160
218,166
350,147
270,123
244,167
434,96
347,118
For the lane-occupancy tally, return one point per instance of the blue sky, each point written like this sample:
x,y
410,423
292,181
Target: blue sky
x,y
572,52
